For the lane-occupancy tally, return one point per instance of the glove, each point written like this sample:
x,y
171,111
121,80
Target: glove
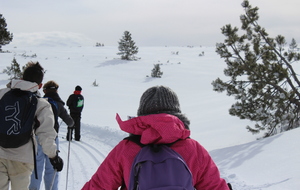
x,y
57,163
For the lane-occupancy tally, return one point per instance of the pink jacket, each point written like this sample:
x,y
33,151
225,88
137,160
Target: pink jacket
x,y
157,128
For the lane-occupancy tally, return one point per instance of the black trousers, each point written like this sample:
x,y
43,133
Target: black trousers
x,y
76,118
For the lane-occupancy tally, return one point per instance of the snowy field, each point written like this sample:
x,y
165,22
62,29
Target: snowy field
x,y
247,163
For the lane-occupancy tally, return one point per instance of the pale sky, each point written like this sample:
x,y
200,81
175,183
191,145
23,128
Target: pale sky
x,y
151,22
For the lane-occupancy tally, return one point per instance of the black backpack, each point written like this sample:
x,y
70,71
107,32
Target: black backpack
x,y
17,110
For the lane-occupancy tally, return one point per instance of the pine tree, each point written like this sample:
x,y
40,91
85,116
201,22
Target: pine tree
x,y
156,72
262,78
5,36
293,46
14,71
127,47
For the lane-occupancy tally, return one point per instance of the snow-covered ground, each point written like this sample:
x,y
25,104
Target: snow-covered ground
x,y
245,162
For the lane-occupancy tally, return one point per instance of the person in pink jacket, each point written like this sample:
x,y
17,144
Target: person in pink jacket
x,y
159,121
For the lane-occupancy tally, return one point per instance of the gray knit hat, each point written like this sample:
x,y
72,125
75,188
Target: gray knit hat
x,y
161,99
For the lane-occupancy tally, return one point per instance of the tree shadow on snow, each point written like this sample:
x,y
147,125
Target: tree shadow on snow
x,y
148,79
112,62
235,156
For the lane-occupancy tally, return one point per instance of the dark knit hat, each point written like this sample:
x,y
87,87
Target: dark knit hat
x,y
161,99
78,88
158,99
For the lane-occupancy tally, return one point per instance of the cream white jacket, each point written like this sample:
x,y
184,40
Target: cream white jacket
x,y
45,132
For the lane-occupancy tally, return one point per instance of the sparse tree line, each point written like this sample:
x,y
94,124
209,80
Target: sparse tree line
x,y
260,74
99,44
127,51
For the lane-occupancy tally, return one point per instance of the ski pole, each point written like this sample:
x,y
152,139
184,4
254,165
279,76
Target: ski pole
x,y
52,182
70,138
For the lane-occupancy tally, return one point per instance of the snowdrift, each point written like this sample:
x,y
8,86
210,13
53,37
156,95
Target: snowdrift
x,y
271,163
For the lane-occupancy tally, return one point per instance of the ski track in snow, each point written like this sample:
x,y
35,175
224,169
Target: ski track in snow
x,y
80,171
79,152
